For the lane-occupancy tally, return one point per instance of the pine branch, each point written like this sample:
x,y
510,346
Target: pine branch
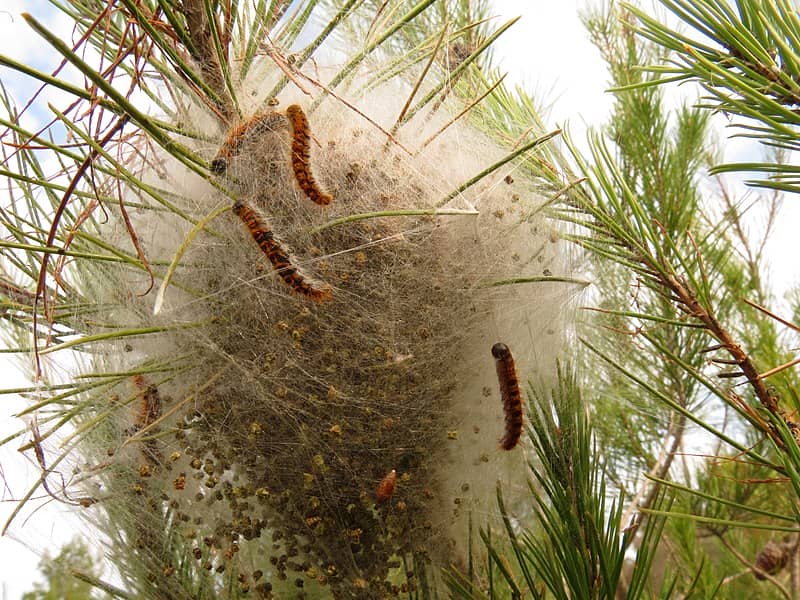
x,y
747,62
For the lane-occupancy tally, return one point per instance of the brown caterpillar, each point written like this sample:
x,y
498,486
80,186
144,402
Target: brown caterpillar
x,y
300,156
148,413
385,488
150,405
510,394
259,123
262,234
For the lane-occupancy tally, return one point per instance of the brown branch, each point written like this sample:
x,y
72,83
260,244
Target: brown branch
x,y
747,368
205,54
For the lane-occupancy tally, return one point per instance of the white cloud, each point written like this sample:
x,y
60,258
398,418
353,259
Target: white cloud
x,y
548,51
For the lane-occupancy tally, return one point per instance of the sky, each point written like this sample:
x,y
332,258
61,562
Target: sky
x,y
547,51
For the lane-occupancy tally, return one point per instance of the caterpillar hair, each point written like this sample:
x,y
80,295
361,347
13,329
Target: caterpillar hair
x,y
300,156
263,236
385,488
259,123
510,395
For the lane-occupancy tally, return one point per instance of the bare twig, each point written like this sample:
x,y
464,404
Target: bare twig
x,y
631,519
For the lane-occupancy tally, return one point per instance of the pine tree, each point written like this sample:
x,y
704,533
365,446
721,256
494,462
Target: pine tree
x,y
71,575
687,368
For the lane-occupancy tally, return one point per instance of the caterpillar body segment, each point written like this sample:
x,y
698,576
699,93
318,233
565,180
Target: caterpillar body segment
x,y
257,124
301,164
510,395
262,234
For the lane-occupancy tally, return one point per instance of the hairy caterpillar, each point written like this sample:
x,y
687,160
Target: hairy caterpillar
x,y
150,405
259,123
300,156
148,413
385,488
262,234
510,394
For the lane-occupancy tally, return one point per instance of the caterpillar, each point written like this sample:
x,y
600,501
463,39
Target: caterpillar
x,y
149,412
150,405
510,394
263,236
300,156
259,123
385,488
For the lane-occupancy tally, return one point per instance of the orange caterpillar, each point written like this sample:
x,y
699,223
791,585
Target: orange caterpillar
x,y
262,234
510,394
385,488
300,156
259,123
